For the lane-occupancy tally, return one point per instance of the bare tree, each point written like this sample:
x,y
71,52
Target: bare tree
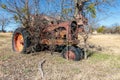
x,y
3,22
89,9
21,9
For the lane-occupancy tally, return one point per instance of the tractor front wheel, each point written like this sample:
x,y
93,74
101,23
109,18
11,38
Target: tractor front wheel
x,y
21,41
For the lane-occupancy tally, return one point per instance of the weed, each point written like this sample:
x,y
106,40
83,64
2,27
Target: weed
x,y
27,70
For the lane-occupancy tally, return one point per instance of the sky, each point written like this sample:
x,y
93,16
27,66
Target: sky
x,y
113,17
109,19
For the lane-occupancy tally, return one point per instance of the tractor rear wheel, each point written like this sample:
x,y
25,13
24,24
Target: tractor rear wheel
x,y
21,40
72,53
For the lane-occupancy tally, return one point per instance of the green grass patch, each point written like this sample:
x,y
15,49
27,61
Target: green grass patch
x,y
27,70
114,61
96,57
60,60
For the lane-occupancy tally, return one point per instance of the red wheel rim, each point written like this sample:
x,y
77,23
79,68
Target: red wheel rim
x,y
18,42
70,55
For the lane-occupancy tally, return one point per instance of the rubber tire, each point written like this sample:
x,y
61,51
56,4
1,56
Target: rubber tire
x,y
81,52
26,39
73,49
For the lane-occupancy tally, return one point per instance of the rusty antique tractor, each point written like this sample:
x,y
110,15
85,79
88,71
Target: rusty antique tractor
x,y
48,35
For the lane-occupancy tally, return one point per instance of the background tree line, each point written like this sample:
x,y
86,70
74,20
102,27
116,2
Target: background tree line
x,y
114,29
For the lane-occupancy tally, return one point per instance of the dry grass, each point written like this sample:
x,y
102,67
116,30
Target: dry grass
x,y
110,43
99,66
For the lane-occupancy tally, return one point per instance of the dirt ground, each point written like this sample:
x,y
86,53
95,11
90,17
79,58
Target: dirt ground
x,y
101,65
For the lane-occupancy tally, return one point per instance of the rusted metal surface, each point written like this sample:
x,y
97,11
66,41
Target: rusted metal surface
x,y
61,32
47,31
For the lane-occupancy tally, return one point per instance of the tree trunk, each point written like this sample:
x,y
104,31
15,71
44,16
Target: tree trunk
x,y
3,29
76,8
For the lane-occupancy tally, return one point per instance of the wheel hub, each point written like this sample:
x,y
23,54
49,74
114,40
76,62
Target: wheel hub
x,y
70,55
18,42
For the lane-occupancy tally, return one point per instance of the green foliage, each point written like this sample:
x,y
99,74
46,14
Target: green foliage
x,y
113,29
3,6
101,29
16,17
92,10
23,10
66,11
